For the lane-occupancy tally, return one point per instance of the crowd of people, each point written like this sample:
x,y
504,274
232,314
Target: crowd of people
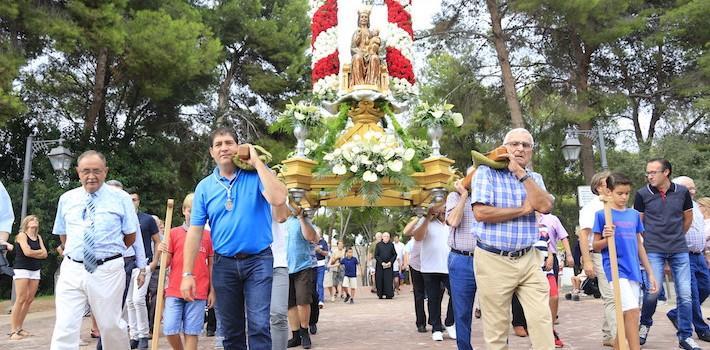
x,y
257,263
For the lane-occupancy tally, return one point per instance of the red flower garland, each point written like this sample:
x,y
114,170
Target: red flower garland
x,y
324,18
398,15
399,66
327,66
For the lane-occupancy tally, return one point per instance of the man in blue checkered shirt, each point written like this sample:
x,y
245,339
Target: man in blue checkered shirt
x,y
504,204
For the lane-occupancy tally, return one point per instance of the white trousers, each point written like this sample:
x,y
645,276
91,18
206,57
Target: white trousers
x,y
137,309
103,290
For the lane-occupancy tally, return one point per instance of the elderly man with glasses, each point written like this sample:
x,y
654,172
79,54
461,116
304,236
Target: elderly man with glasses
x,y
504,204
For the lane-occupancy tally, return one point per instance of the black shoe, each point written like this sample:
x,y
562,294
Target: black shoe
x,y
305,338
421,329
295,340
347,297
575,297
313,329
143,343
134,343
674,321
704,336
688,344
568,296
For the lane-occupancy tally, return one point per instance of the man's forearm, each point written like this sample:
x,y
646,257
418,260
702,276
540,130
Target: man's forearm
x,y
584,244
274,190
192,244
493,215
539,199
129,239
309,233
456,214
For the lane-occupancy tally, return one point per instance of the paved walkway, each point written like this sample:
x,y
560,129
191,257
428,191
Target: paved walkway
x,y
371,323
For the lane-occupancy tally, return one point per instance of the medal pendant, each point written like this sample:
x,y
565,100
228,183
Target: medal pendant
x,y
229,205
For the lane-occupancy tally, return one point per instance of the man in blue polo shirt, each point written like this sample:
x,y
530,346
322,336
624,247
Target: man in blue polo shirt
x,y
667,212
504,204
237,204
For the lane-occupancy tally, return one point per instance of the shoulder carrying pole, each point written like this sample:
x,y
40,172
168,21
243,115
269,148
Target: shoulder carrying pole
x,y
161,277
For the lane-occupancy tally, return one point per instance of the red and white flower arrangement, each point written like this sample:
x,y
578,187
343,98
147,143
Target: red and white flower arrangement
x,y
399,42
324,48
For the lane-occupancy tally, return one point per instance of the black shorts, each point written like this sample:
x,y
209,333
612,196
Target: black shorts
x,y
300,288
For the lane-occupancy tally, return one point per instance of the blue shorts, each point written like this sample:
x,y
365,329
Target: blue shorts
x,y
184,317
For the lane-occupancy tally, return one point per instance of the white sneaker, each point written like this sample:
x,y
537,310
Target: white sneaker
x,y
451,330
437,336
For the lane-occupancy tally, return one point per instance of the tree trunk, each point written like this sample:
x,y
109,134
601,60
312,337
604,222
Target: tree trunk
x,y
580,74
659,106
97,100
511,95
223,94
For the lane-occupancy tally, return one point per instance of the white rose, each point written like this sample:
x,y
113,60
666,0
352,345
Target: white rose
x,y
369,176
388,153
364,160
395,165
328,157
353,168
379,168
356,150
337,152
299,116
339,169
348,155
437,114
408,154
458,119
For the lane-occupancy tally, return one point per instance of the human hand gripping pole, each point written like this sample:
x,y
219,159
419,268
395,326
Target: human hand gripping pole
x,y
611,245
161,277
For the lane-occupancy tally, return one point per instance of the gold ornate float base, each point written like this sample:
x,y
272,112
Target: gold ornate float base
x,y
320,190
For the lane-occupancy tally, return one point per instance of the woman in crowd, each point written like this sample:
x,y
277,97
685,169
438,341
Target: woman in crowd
x,y
29,252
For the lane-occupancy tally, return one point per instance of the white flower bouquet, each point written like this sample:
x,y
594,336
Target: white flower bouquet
x,y
367,159
304,113
440,114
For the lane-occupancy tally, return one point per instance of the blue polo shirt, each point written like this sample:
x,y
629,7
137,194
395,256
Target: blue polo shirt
x,y
245,229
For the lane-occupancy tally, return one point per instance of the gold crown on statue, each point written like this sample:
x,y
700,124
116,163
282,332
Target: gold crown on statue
x,y
367,9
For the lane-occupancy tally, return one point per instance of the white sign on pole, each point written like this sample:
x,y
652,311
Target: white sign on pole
x,y
584,195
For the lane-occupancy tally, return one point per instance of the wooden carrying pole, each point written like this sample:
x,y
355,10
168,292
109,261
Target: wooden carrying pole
x,y
161,277
611,245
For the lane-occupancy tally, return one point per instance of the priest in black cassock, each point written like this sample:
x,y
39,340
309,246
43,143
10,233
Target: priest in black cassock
x,y
385,255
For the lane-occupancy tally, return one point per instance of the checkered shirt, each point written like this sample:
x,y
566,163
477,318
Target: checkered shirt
x,y
461,237
501,189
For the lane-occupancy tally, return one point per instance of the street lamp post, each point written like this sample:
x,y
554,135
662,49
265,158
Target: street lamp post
x,y
571,145
59,156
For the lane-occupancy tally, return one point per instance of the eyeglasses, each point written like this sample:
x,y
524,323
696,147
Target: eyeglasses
x,y
516,144
654,172
87,172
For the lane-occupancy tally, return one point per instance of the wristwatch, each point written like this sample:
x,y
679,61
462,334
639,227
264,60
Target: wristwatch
x,y
185,274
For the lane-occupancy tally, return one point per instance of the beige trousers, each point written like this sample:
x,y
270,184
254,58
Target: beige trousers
x,y
609,325
497,278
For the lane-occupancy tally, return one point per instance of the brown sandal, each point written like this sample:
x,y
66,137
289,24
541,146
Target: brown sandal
x,y
16,336
24,333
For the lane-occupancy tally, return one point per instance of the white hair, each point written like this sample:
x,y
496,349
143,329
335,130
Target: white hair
x,y
683,180
516,131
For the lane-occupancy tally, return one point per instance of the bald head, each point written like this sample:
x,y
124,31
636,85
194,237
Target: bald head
x,y
687,183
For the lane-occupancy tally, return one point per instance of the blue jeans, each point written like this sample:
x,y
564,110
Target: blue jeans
x,y
239,283
320,273
700,288
463,290
680,267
